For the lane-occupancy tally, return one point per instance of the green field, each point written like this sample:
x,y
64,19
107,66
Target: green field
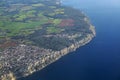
x,y
26,19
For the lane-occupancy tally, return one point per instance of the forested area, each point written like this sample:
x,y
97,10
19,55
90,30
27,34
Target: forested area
x,y
28,22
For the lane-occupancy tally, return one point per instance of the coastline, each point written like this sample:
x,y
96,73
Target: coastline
x,y
37,58
48,58
59,54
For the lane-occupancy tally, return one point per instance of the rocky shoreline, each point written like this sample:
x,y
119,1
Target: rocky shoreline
x,y
30,59
21,56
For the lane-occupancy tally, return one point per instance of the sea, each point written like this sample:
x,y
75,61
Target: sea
x,y
97,60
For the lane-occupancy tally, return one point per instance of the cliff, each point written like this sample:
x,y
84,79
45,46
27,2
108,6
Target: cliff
x,y
32,58
37,34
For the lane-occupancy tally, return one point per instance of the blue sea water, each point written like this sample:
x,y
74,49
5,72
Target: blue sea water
x,y
98,60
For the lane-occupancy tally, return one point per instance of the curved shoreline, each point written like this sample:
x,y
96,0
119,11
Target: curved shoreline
x,y
46,59
29,59
59,54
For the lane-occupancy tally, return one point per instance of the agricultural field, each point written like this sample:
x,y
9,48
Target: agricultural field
x,y
35,33
22,21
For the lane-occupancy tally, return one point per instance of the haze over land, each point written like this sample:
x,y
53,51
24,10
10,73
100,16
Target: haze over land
x,y
95,3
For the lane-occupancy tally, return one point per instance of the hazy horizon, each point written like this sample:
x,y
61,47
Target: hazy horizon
x,y
101,3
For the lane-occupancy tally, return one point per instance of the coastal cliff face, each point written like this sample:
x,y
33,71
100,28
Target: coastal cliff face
x,y
29,49
30,59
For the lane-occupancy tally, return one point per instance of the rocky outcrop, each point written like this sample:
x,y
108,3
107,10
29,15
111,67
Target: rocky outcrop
x,y
8,76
